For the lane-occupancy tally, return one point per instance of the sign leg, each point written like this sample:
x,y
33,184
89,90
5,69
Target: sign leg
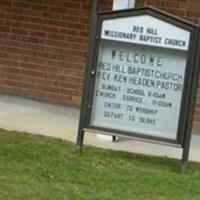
x,y
83,121
185,155
184,163
114,138
79,142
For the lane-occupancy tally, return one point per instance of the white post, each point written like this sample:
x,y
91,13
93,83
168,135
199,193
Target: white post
x,y
123,4
118,5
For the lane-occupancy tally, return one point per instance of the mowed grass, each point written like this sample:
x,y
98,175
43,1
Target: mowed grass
x,y
39,168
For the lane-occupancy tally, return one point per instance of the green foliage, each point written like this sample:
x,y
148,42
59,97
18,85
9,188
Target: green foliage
x,y
39,168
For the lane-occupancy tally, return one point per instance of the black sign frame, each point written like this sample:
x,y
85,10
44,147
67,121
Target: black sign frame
x,y
190,83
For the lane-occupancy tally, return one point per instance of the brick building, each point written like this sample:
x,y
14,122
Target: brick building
x,y
43,45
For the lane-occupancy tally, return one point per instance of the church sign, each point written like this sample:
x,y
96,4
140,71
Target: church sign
x,y
141,77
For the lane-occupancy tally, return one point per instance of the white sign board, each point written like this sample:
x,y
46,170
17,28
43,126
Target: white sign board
x,y
140,76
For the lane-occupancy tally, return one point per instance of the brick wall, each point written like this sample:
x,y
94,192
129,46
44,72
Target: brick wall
x,y
43,48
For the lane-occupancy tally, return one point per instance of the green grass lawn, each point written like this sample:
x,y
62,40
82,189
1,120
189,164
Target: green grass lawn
x,y
39,168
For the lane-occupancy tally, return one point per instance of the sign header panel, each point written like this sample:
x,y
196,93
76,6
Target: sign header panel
x,y
146,30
